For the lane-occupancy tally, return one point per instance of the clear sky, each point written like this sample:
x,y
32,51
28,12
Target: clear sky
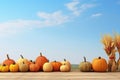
x,y
59,29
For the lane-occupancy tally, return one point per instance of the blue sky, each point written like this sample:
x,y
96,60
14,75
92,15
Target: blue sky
x,y
61,29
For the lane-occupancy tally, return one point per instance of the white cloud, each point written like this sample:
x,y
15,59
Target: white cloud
x,y
96,14
78,8
48,19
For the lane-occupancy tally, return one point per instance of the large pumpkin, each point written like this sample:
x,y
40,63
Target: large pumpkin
x,y
47,67
67,63
34,67
85,66
56,65
8,61
99,64
40,60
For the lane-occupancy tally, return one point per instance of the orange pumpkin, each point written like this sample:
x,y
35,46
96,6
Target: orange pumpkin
x,y
99,64
8,61
40,60
56,65
34,67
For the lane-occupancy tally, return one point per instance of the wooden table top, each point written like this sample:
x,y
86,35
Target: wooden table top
x,y
60,76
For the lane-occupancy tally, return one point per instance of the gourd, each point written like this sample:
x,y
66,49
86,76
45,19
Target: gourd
x,y
64,68
8,61
23,67
56,65
85,66
40,60
34,67
21,60
67,63
99,65
14,67
47,67
4,68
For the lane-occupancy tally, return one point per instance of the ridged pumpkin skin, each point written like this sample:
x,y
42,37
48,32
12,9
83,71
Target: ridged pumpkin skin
x,y
85,66
56,65
47,67
99,65
40,60
34,67
4,68
67,63
8,61
23,67
21,60
14,68
64,68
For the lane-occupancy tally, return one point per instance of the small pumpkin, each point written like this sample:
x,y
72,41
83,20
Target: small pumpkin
x,y
23,67
85,66
99,64
8,61
22,59
14,68
67,63
64,68
40,60
56,65
4,68
47,67
34,67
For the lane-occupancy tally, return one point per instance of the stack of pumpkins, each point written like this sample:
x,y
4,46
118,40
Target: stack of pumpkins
x,y
41,64
98,65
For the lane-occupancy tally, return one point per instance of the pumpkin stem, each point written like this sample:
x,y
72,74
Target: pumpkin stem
x,y
40,54
22,56
64,59
8,56
99,57
23,62
4,64
55,61
31,61
84,59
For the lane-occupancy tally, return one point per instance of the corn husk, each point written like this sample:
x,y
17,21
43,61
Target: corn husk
x,y
109,44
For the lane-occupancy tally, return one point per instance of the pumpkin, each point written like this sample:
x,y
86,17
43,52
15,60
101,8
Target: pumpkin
x,y
34,67
47,67
14,68
40,60
56,65
22,59
23,67
99,64
67,63
4,68
8,61
85,66
64,68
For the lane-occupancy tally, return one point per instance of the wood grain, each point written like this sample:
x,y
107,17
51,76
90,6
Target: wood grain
x,y
60,76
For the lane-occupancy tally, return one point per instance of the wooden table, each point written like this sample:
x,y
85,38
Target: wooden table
x,y
60,76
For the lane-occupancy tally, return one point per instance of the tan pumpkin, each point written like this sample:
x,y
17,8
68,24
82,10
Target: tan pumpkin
x,y
85,66
40,60
67,63
14,68
8,61
56,65
22,59
64,68
23,67
34,67
4,68
99,64
47,67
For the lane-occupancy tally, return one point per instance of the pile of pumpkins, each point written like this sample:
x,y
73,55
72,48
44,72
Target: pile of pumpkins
x,y
98,65
40,64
